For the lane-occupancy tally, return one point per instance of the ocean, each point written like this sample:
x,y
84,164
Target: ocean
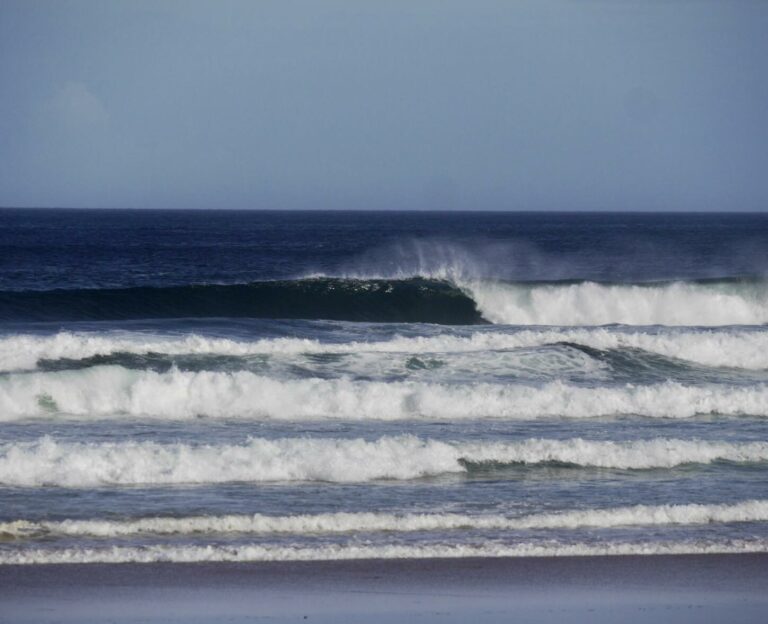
x,y
256,386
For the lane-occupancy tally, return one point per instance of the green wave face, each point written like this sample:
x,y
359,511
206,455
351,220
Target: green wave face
x,y
414,300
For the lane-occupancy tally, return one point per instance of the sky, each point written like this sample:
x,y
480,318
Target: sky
x,y
374,104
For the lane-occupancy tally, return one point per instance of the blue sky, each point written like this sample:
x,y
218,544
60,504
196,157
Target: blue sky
x,y
425,104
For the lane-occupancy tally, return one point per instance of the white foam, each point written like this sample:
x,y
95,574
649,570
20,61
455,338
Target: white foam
x,y
722,347
590,303
113,391
47,462
22,351
346,522
258,552
581,303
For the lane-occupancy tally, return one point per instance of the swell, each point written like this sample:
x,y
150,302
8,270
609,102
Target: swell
x,y
48,462
411,300
414,300
115,392
259,552
346,522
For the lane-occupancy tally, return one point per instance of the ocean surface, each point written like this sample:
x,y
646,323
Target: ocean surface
x,y
227,386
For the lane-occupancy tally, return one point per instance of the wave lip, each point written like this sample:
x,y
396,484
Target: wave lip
x,y
257,552
117,392
47,462
346,522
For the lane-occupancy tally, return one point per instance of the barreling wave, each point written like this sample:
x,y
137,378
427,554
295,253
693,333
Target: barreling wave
x,y
115,392
411,300
258,552
369,522
47,462
729,347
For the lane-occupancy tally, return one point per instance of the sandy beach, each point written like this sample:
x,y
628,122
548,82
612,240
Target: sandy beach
x,y
680,588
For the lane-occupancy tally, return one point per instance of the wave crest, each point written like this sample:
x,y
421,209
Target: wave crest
x,y
117,392
346,522
591,303
258,552
716,347
48,462
420,299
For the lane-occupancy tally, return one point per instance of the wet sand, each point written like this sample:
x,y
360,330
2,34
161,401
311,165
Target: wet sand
x,y
633,589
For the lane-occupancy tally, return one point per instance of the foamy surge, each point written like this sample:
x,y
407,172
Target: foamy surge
x,y
748,511
590,303
23,351
48,462
257,552
113,391
726,347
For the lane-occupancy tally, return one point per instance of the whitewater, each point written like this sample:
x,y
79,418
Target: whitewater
x,y
729,346
747,511
116,392
327,386
590,303
47,462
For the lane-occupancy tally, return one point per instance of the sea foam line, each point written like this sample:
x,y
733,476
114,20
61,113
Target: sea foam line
x,y
117,392
257,552
346,522
47,462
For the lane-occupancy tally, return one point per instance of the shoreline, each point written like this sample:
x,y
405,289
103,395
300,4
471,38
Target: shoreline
x,y
633,588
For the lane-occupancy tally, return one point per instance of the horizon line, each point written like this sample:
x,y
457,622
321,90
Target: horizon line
x,y
391,210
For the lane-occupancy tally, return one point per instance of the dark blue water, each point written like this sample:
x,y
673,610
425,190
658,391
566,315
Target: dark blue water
x,y
191,385
47,249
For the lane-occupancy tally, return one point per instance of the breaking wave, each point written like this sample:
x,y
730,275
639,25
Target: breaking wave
x,y
346,522
711,347
115,392
258,552
416,299
47,462
413,300
591,303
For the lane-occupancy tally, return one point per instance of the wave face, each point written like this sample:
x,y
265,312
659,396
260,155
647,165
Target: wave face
x,y
418,299
116,392
341,522
414,300
48,462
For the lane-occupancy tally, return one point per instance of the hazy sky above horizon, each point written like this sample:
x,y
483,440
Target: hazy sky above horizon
x,y
425,104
